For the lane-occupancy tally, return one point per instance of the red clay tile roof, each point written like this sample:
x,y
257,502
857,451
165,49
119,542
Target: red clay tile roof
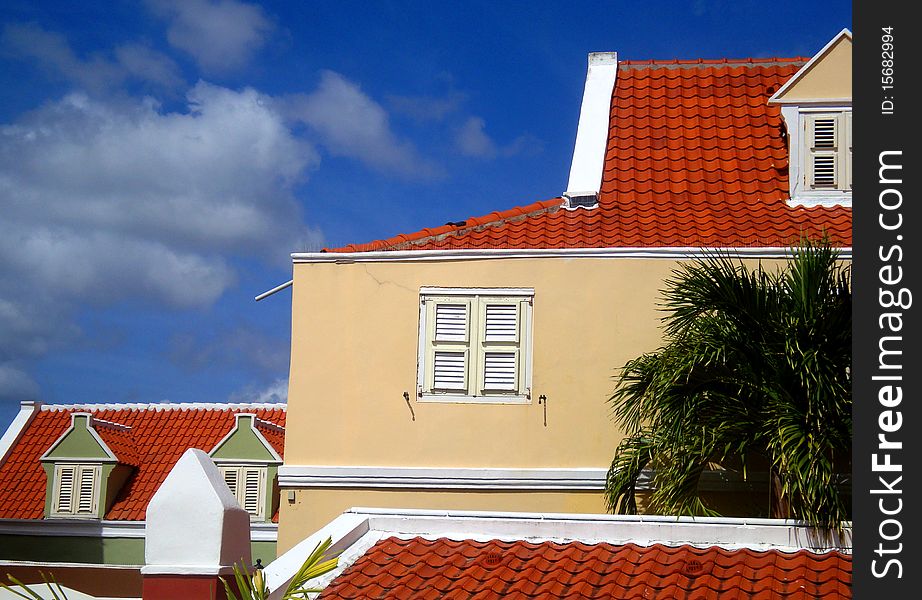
x,y
160,434
695,157
120,441
419,568
272,434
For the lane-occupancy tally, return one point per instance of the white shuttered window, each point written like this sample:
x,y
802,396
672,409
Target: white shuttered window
x,y
475,346
248,485
828,151
76,490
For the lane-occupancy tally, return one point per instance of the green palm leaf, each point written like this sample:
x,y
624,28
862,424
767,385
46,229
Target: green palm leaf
x,y
755,364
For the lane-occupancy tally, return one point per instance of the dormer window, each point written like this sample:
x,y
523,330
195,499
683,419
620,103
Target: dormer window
x,y
248,462
87,466
827,150
248,485
816,105
76,490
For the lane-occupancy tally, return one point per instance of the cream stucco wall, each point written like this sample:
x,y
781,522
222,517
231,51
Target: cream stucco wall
x,y
829,77
354,354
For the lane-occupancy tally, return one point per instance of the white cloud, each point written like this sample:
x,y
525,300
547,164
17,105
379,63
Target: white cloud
x,y
144,62
106,201
426,108
97,72
221,35
242,348
471,139
352,124
275,392
16,385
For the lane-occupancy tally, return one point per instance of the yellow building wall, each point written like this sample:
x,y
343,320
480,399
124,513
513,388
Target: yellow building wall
x,y
354,353
830,77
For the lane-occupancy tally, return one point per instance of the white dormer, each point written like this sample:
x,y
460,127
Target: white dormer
x,y
816,104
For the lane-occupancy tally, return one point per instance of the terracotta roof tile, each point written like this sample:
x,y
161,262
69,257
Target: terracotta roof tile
x,y
420,568
157,437
695,157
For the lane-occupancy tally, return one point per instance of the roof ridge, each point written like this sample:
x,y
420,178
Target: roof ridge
x,y
110,425
268,425
424,235
711,62
159,406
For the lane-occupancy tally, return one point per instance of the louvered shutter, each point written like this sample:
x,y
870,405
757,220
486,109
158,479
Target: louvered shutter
x,y
823,151
230,478
86,495
499,345
847,150
251,497
65,499
449,324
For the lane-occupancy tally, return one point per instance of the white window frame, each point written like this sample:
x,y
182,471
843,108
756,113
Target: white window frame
x,y
83,474
240,472
797,119
475,348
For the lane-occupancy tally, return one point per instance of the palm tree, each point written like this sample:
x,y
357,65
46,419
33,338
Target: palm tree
x,y
756,363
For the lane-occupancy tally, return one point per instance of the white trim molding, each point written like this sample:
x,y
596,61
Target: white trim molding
x,y
496,479
674,253
312,476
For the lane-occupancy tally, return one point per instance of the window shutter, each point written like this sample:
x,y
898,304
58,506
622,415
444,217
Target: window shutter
x,y
847,150
822,143
501,323
66,477
251,498
451,322
87,491
448,351
230,478
499,362
824,133
499,371
449,370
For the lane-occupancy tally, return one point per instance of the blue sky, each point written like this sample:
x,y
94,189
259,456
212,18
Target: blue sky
x,y
160,159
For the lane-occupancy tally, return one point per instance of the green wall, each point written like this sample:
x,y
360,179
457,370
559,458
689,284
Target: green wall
x,y
114,551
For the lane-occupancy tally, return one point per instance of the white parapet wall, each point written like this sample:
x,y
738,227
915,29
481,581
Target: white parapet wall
x,y
194,524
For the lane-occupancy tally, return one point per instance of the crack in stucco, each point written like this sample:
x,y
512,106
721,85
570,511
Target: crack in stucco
x,y
382,283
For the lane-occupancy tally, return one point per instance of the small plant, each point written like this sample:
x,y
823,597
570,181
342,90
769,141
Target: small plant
x,y
254,588
28,594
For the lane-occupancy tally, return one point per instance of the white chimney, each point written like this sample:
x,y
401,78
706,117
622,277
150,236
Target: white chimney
x,y
592,132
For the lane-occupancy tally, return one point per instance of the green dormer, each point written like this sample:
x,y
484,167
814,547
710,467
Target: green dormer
x,y
248,461
86,467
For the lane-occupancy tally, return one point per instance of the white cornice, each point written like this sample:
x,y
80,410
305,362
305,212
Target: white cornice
x,y
158,406
686,252
297,476
493,479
